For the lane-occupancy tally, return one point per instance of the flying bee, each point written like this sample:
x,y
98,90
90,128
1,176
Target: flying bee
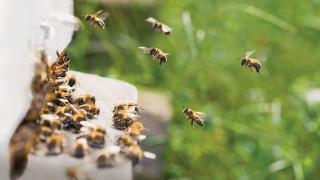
x,y
45,132
84,100
249,62
80,148
55,144
107,157
135,153
97,19
135,129
156,54
159,26
52,121
92,127
91,109
194,116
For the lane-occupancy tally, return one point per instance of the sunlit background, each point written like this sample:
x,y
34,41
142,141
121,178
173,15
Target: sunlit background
x,y
258,126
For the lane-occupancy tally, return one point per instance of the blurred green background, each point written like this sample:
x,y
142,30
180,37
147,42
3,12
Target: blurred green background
x,y
258,126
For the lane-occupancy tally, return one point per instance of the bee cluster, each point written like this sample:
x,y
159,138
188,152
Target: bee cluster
x,y
58,122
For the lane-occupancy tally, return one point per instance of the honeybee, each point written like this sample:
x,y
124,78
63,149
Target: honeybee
x,y
59,73
130,107
59,82
44,133
135,129
159,26
61,110
84,100
52,121
156,54
65,89
126,140
72,80
62,58
80,148
76,174
91,109
107,157
249,62
124,118
194,116
92,127
73,121
135,153
55,144
97,19
61,101
95,139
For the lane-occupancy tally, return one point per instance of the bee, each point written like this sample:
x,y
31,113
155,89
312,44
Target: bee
x,y
135,129
124,118
130,107
59,73
61,110
249,62
91,109
72,80
84,100
52,121
135,153
97,19
62,58
126,140
194,116
92,127
107,157
95,139
73,121
76,174
55,144
61,101
80,148
65,89
159,26
156,54
45,132
59,82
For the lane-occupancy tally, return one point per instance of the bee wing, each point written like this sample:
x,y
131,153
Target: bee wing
x,y
87,124
151,19
249,53
201,115
114,149
96,14
104,16
140,137
145,49
165,28
149,155
49,116
63,100
166,54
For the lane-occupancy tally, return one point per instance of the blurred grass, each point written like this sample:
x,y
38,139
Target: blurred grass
x,y
240,139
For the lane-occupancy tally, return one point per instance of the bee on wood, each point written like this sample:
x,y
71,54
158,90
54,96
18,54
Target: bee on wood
x,y
249,62
89,127
86,99
124,118
91,109
130,107
95,139
61,110
73,122
97,19
156,54
76,174
135,129
45,132
107,157
135,153
80,148
55,144
159,26
52,121
72,81
126,140
194,116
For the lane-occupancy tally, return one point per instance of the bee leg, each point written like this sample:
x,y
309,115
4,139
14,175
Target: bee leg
x,y
192,123
251,69
154,62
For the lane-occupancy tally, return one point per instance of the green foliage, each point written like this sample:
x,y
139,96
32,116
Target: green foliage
x,y
259,126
